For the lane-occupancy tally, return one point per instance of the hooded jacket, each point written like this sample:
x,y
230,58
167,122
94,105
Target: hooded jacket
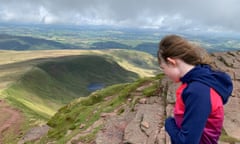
x,y
198,112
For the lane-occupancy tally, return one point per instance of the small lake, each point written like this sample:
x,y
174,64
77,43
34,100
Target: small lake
x,y
95,86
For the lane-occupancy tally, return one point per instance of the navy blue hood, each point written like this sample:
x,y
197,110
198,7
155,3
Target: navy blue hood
x,y
219,81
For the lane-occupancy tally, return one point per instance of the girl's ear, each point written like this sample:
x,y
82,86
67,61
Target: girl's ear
x,y
171,61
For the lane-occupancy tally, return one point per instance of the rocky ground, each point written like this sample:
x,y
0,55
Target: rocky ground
x,y
144,125
230,62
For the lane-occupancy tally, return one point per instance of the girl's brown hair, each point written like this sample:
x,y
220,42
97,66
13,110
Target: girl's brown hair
x,y
174,46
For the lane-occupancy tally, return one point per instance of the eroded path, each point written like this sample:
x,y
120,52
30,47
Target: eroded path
x,y
10,119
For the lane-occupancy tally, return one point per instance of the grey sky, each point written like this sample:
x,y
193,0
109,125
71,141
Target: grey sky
x,y
164,14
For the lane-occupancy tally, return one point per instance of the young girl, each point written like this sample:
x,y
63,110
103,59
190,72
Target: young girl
x,y
198,111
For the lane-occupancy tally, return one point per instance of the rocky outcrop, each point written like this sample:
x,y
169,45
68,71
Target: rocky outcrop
x,y
230,62
143,124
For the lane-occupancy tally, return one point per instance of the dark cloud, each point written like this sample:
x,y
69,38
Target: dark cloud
x,y
171,14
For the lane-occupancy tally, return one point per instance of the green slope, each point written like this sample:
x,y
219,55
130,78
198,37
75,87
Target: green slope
x,y
38,83
49,85
77,73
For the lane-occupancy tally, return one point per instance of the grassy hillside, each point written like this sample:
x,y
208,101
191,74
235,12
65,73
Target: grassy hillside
x,y
139,59
49,85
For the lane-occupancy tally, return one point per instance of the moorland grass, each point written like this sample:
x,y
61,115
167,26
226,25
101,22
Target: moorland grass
x,y
87,110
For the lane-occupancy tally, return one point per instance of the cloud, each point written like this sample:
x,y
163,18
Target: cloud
x,y
170,14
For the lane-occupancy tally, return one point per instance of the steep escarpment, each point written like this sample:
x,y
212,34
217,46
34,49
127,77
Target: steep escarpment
x,y
49,85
